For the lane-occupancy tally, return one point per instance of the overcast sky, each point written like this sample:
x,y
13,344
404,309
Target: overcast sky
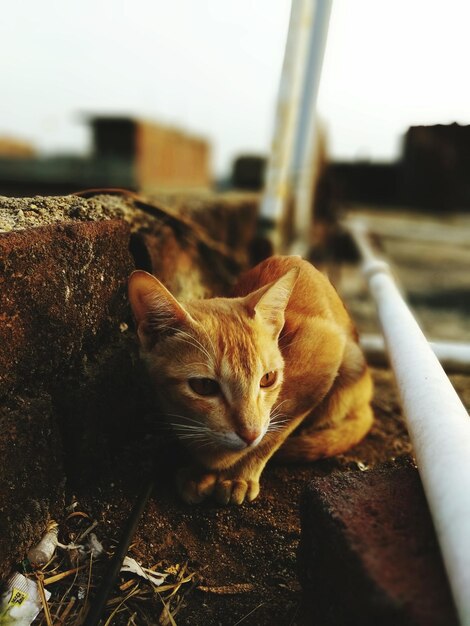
x,y
212,67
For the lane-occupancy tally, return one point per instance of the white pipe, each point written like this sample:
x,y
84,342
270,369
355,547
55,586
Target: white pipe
x,y
306,142
454,356
278,183
438,423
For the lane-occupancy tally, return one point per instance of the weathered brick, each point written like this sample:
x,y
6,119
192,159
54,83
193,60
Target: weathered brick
x,y
66,367
369,554
62,290
32,479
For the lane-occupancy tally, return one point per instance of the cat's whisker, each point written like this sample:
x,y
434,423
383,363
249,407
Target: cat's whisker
x,y
204,444
190,419
194,345
210,341
186,418
276,428
186,429
194,342
275,416
276,413
199,440
294,330
280,404
288,345
193,433
277,420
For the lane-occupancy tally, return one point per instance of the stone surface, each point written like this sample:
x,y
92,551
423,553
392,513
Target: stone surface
x,y
369,554
24,213
63,308
63,290
32,479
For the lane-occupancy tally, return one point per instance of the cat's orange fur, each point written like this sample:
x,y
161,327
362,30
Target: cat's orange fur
x,y
285,317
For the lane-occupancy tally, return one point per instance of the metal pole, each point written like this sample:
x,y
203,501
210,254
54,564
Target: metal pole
x,y
306,143
278,182
454,356
438,423
98,605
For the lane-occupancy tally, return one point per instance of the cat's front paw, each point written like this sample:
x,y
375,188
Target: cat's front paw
x,y
235,491
194,486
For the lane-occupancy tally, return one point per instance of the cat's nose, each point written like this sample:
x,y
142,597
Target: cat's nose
x,y
248,436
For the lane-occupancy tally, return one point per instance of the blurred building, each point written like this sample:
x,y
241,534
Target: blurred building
x,y
128,153
431,174
435,167
248,172
15,148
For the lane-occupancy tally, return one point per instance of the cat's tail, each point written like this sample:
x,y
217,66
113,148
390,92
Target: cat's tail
x,y
349,419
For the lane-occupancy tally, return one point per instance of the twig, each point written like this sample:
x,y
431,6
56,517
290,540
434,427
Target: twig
x,y
42,595
54,579
66,611
86,532
248,614
123,601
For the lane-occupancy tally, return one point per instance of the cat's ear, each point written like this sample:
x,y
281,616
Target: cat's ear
x,y
156,311
271,301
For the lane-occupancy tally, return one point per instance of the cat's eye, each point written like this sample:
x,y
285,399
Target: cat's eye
x,y
268,379
204,386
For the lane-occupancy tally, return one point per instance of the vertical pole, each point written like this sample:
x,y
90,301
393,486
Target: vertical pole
x,y
293,147
306,143
278,184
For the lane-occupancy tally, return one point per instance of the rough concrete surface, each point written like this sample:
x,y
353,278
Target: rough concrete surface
x,y
368,540
32,480
63,291
62,304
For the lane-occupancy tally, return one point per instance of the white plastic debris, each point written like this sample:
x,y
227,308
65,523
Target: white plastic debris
x,y
81,594
44,550
21,603
95,546
83,549
130,565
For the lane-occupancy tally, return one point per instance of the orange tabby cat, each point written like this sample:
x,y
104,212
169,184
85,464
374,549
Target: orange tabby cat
x,y
236,376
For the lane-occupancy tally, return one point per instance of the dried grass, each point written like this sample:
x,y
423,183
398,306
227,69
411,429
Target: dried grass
x,y
73,577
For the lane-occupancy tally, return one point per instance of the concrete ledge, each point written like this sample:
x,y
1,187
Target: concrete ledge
x,y
32,479
369,554
62,303
63,290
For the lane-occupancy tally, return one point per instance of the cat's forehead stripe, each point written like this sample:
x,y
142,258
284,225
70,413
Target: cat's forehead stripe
x,y
237,346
